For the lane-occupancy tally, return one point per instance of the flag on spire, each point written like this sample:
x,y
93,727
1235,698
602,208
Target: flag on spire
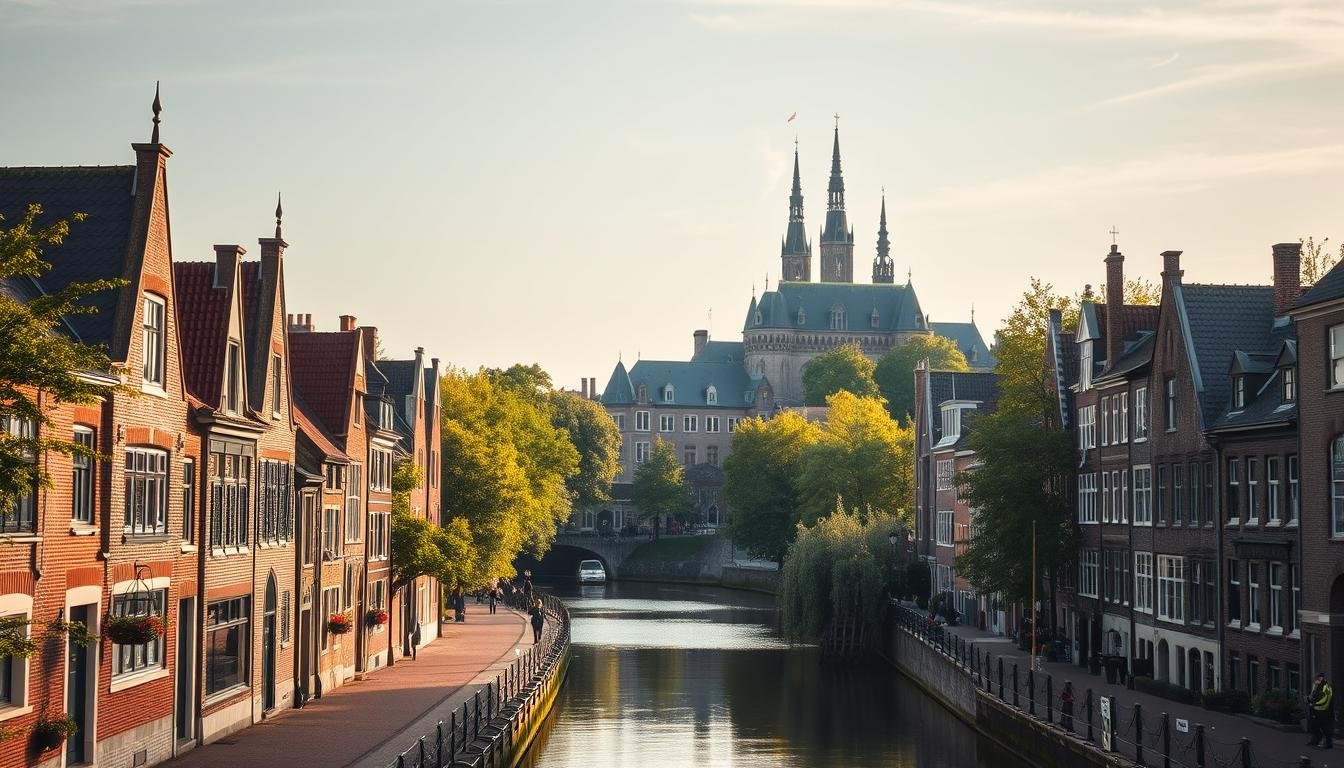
x,y
791,117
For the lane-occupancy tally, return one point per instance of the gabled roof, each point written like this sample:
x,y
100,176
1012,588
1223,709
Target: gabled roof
x,y
620,390
1136,355
691,382
320,438
1326,289
96,247
1266,407
897,307
968,339
400,375
322,372
203,318
1217,320
977,386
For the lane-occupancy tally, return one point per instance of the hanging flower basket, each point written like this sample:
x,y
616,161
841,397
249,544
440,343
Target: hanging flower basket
x,y
135,630
339,624
376,617
48,734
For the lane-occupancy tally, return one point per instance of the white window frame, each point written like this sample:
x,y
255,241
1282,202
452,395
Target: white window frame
x,y
669,393
1143,495
712,424
1294,490
712,396
1105,420
690,423
641,452
1337,486
620,422
641,421
1122,414
1171,588
667,423
1087,497
1275,597
1252,490
1253,614
1143,582
946,527
1335,336
1273,494
733,421
153,338
1140,414
1089,572
946,471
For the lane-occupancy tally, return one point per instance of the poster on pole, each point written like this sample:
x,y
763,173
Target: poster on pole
x,y
1106,723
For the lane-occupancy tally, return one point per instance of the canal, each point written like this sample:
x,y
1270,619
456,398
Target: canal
x,y
668,675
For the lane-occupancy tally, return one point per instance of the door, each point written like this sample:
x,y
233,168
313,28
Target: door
x,y
185,718
268,648
77,692
307,667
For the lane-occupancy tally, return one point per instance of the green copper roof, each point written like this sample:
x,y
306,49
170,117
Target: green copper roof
x,y
808,306
970,342
619,389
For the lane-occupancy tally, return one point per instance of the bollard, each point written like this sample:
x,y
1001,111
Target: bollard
x,y
1031,691
1199,745
1001,678
1245,752
1049,698
452,738
1014,683
476,724
1166,740
1090,738
1138,734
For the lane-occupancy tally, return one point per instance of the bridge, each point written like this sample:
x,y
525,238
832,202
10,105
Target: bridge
x,y
611,550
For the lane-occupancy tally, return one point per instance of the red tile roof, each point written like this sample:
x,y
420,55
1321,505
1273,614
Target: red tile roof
x,y
309,427
203,328
322,372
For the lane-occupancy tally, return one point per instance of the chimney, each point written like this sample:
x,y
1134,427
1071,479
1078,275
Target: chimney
x,y
370,340
583,387
348,323
1115,301
1287,276
1171,268
701,339
226,264
592,386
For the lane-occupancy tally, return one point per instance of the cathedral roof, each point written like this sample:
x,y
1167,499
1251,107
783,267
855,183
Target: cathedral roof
x,y
970,342
721,352
897,307
692,383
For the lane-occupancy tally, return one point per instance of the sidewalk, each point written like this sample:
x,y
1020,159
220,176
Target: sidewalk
x,y
366,723
1270,748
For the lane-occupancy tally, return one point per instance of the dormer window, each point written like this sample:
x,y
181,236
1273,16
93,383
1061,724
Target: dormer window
x,y
837,318
1289,384
385,414
874,319
951,422
802,317
1085,365
975,354
757,319
669,393
642,394
712,395
1239,392
233,378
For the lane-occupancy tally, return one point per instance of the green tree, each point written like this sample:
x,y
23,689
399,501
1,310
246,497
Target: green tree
x,y
38,355
1020,348
862,456
660,485
594,434
895,372
843,369
1026,466
1316,260
1138,290
760,476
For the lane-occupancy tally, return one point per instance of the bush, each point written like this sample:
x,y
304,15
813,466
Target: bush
x,y
1227,701
1166,690
1278,705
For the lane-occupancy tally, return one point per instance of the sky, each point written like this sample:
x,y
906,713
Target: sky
x,y
507,181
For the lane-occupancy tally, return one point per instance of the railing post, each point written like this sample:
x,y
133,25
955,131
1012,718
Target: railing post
x,y
1166,740
401,761
1090,738
438,743
1199,745
421,745
489,702
1014,683
978,673
1049,698
1001,678
1245,752
452,738
466,718
1031,691
1138,734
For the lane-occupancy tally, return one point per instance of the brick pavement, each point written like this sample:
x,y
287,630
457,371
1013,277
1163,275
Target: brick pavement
x,y
368,722
1270,748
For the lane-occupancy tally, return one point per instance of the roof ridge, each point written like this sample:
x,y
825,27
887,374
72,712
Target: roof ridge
x,y
67,168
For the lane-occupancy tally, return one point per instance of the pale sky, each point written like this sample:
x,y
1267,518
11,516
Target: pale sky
x,y
560,182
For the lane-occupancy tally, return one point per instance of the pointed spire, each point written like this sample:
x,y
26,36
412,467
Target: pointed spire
x,y
279,214
795,252
836,200
156,108
884,269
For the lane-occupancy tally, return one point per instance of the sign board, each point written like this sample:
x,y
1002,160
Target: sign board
x,y
1106,723
1182,726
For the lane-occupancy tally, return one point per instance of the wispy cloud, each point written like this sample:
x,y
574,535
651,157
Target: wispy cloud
x,y
1160,63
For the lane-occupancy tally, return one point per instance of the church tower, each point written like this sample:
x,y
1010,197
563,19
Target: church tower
x,y
884,269
796,252
837,239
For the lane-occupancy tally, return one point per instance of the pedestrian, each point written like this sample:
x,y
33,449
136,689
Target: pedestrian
x,y
461,605
1066,706
1320,718
538,618
494,595
415,640
527,588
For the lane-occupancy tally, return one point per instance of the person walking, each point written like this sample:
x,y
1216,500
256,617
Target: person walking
x,y
460,606
494,596
1320,718
415,640
538,619
1066,706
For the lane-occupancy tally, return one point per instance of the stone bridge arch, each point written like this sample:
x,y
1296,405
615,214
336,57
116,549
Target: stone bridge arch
x,y
568,549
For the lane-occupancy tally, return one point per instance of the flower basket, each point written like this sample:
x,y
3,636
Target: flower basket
x,y
339,624
135,630
48,734
376,617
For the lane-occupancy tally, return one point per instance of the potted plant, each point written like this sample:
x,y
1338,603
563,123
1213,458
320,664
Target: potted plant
x,y
339,623
376,617
48,733
135,630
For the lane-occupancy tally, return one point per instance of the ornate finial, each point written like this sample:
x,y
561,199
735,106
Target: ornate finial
x,y
156,107
837,120
972,312
753,289
908,274
279,214
1114,232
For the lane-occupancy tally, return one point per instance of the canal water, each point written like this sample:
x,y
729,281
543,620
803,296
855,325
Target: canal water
x,y
667,676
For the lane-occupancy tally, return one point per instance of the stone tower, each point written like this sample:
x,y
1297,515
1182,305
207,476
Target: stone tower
x,y
796,253
837,239
884,269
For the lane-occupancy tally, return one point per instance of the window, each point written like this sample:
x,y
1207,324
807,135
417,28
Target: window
x,y
284,616
1289,384
1143,582
690,423
1233,491
951,419
667,423
331,533
348,594
276,507
1143,496
620,422
22,516
229,476
945,474
378,533
1140,414
1337,356
1171,588
1122,417
711,423
1273,501
1295,578
81,486
1087,427
838,318
641,452
1171,405
275,385
226,645
641,421
331,605
669,394
152,338
1085,365
1276,597
146,491
385,414
1209,510
1252,674
1233,662
1234,592
131,659
1294,500
732,423
1160,502
1252,491
1177,494
712,454
1087,497
688,454
380,470
309,530
1194,493
1238,392
354,515
1105,420
1253,594
1105,497
1203,600
1089,572
945,528
1337,485
711,395
233,379
188,500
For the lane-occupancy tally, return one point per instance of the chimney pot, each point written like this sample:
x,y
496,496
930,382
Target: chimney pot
x,y
701,338
1287,276
348,322
1171,266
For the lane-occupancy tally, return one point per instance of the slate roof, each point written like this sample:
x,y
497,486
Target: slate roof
x,y
400,375
721,352
96,247
969,341
1136,355
322,372
981,386
203,328
897,307
1327,288
691,381
1267,408
620,390
1218,320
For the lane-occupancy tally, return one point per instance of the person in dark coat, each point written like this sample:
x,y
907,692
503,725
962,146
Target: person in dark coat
x,y
461,606
1066,706
538,620
415,640
494,596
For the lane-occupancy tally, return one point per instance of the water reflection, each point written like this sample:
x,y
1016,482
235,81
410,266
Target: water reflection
x,y
671,676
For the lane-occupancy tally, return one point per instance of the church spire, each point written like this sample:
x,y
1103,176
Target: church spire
x,y
796,252
836,189
837,239
884,269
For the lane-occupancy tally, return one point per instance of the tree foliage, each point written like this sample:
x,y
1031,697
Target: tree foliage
x,y
1138,290
843,369
36,354
761,482
895,372
862,456
1020,347
421,547
660,485
598,441
1316,260
843,565
1026,466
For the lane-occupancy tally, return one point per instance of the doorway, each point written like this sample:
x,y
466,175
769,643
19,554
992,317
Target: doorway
x,y
185,720
77,692
307,665
268,648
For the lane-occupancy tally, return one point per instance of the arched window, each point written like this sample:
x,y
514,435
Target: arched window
x,y
669,393
712,395
837,317
642,394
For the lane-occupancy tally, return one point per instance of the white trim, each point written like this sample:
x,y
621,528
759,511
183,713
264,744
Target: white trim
x,y
154,583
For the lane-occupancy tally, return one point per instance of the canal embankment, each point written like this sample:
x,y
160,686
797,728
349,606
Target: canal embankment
x,y
704,560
